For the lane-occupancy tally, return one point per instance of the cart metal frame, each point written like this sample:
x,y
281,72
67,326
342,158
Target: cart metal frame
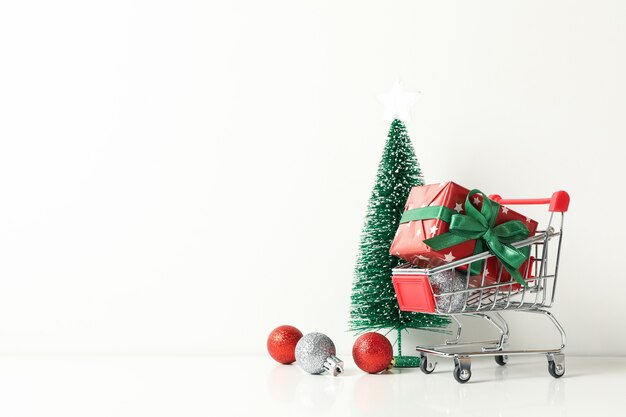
x,y
487,300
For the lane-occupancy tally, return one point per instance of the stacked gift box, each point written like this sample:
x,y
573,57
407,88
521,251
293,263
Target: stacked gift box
x,y
443,223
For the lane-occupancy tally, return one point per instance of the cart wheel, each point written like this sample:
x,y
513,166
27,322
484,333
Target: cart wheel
x,y
462,375
501,359
426,366
556,370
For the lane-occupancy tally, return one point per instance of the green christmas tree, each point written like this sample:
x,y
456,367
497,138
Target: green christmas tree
x,y
374,305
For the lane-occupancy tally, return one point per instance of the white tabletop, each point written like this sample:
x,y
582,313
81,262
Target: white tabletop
x,y
252,386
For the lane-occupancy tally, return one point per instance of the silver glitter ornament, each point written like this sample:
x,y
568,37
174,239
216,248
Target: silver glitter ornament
x,y
315,353
446,282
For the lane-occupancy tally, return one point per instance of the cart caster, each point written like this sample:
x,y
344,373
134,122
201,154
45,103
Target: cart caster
x,y
556,365
501,359
462,375
557,370
425,365
462,370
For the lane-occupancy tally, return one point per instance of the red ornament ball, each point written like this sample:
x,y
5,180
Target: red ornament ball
x,y
281,343
372,352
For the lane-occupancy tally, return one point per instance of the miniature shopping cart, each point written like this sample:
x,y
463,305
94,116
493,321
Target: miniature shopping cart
x,y
483,298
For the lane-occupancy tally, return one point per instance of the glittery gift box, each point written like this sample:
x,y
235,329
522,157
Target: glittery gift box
x,y
409,244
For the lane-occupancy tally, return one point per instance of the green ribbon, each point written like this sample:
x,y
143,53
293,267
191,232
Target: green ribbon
x,y
478,225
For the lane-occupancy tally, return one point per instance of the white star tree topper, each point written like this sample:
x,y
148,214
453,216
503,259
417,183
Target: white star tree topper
x,y
397,103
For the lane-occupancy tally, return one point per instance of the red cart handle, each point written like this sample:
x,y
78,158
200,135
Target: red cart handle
x,y
558,202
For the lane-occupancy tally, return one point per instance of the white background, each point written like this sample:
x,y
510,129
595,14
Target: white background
x,y
182,177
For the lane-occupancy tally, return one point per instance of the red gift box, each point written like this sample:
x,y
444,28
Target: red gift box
x,y
409,244
493,270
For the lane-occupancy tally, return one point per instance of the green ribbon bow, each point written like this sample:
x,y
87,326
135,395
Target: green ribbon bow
x,y
478,225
